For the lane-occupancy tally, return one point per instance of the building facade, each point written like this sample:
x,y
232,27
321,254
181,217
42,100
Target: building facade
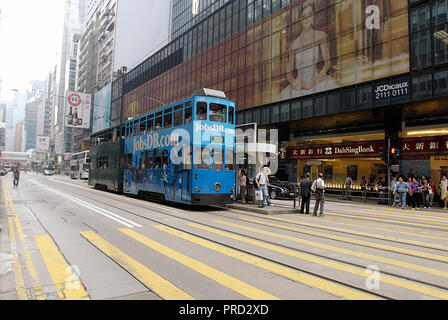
x,y
341,80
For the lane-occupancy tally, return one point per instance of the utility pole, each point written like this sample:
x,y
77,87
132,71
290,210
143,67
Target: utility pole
x,y
388,171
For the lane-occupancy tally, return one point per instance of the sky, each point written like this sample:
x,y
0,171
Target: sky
x,y
30,38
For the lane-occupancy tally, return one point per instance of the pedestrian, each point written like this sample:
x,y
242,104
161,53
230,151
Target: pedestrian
x,y
444,192
401,189
395,198
318,187
261,181
364,187
305,193
409,196
348,186
243,186
416,194
432,191
425,194
16,177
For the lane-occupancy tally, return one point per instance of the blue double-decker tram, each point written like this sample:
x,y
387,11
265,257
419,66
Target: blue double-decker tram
x,y
184,152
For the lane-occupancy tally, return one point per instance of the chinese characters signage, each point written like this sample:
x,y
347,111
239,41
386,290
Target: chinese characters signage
x,y
373,149
431,146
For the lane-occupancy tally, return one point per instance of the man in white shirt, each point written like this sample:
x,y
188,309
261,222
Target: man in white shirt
x,y
319,188
261,181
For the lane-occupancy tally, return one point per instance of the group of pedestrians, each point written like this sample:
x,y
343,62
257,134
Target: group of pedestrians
x,y
307,188
418,192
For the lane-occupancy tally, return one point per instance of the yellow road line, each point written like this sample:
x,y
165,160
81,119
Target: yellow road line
x,y
150,279
69,287
385,220
37,288
423,289
322,284
209,272
17,268
425,213
402,217
370,244
359,233
358,254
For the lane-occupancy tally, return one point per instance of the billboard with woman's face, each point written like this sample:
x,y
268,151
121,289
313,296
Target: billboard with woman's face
x,y
332,44
310,46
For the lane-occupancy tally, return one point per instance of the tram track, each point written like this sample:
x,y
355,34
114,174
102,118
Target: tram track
x,y
140,203
185,219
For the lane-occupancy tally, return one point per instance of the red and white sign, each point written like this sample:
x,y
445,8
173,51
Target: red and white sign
x,y
77,110
360,150
424,146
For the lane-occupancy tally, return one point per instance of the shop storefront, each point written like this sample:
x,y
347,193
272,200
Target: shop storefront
x,y
337,161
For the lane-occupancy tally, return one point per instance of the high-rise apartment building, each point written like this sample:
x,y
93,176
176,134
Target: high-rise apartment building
x,y
31,120
15,112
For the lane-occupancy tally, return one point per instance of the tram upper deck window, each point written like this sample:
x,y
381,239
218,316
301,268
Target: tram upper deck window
x,y
142,127
218,112
231,115
159,117
178,115
168,120
136,128
150,124
188,115
201,111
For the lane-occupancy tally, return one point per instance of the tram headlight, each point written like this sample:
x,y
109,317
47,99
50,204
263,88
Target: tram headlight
x,y
218,187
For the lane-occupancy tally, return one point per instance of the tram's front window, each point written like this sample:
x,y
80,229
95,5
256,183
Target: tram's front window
x,y
218,112
201,113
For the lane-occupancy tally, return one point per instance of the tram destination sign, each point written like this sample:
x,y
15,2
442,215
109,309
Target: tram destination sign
x,y
391,90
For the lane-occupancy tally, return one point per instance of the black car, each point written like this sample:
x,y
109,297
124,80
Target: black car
x,y
280,189
277,189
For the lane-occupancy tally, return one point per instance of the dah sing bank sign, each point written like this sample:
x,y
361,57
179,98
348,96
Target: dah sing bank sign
x,y
373,149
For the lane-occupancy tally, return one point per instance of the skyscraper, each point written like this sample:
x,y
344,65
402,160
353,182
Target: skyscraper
x,y
74,16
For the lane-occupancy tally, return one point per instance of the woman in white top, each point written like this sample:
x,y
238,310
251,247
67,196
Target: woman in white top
x,y
310,48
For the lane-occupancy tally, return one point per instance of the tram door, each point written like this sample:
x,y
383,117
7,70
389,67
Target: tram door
x,y
185,176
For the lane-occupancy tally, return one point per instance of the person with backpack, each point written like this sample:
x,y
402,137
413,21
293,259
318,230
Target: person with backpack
x,y
318,187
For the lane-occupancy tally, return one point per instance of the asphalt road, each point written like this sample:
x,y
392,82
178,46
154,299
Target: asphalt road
x,y
61,239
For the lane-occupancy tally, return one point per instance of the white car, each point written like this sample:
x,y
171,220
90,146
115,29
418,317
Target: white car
x,y
48,172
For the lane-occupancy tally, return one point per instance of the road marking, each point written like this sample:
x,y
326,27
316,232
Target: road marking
x,y
61,274
402,217
426,290
207,271
385,220
367,256
126,222
322,284
129,199
37,288
17,268
359,233
400,211
370,244
147,277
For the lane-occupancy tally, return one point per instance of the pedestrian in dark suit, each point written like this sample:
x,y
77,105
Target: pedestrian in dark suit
x,y
305,193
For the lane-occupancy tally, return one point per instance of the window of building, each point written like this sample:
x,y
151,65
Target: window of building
x,y
422,86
